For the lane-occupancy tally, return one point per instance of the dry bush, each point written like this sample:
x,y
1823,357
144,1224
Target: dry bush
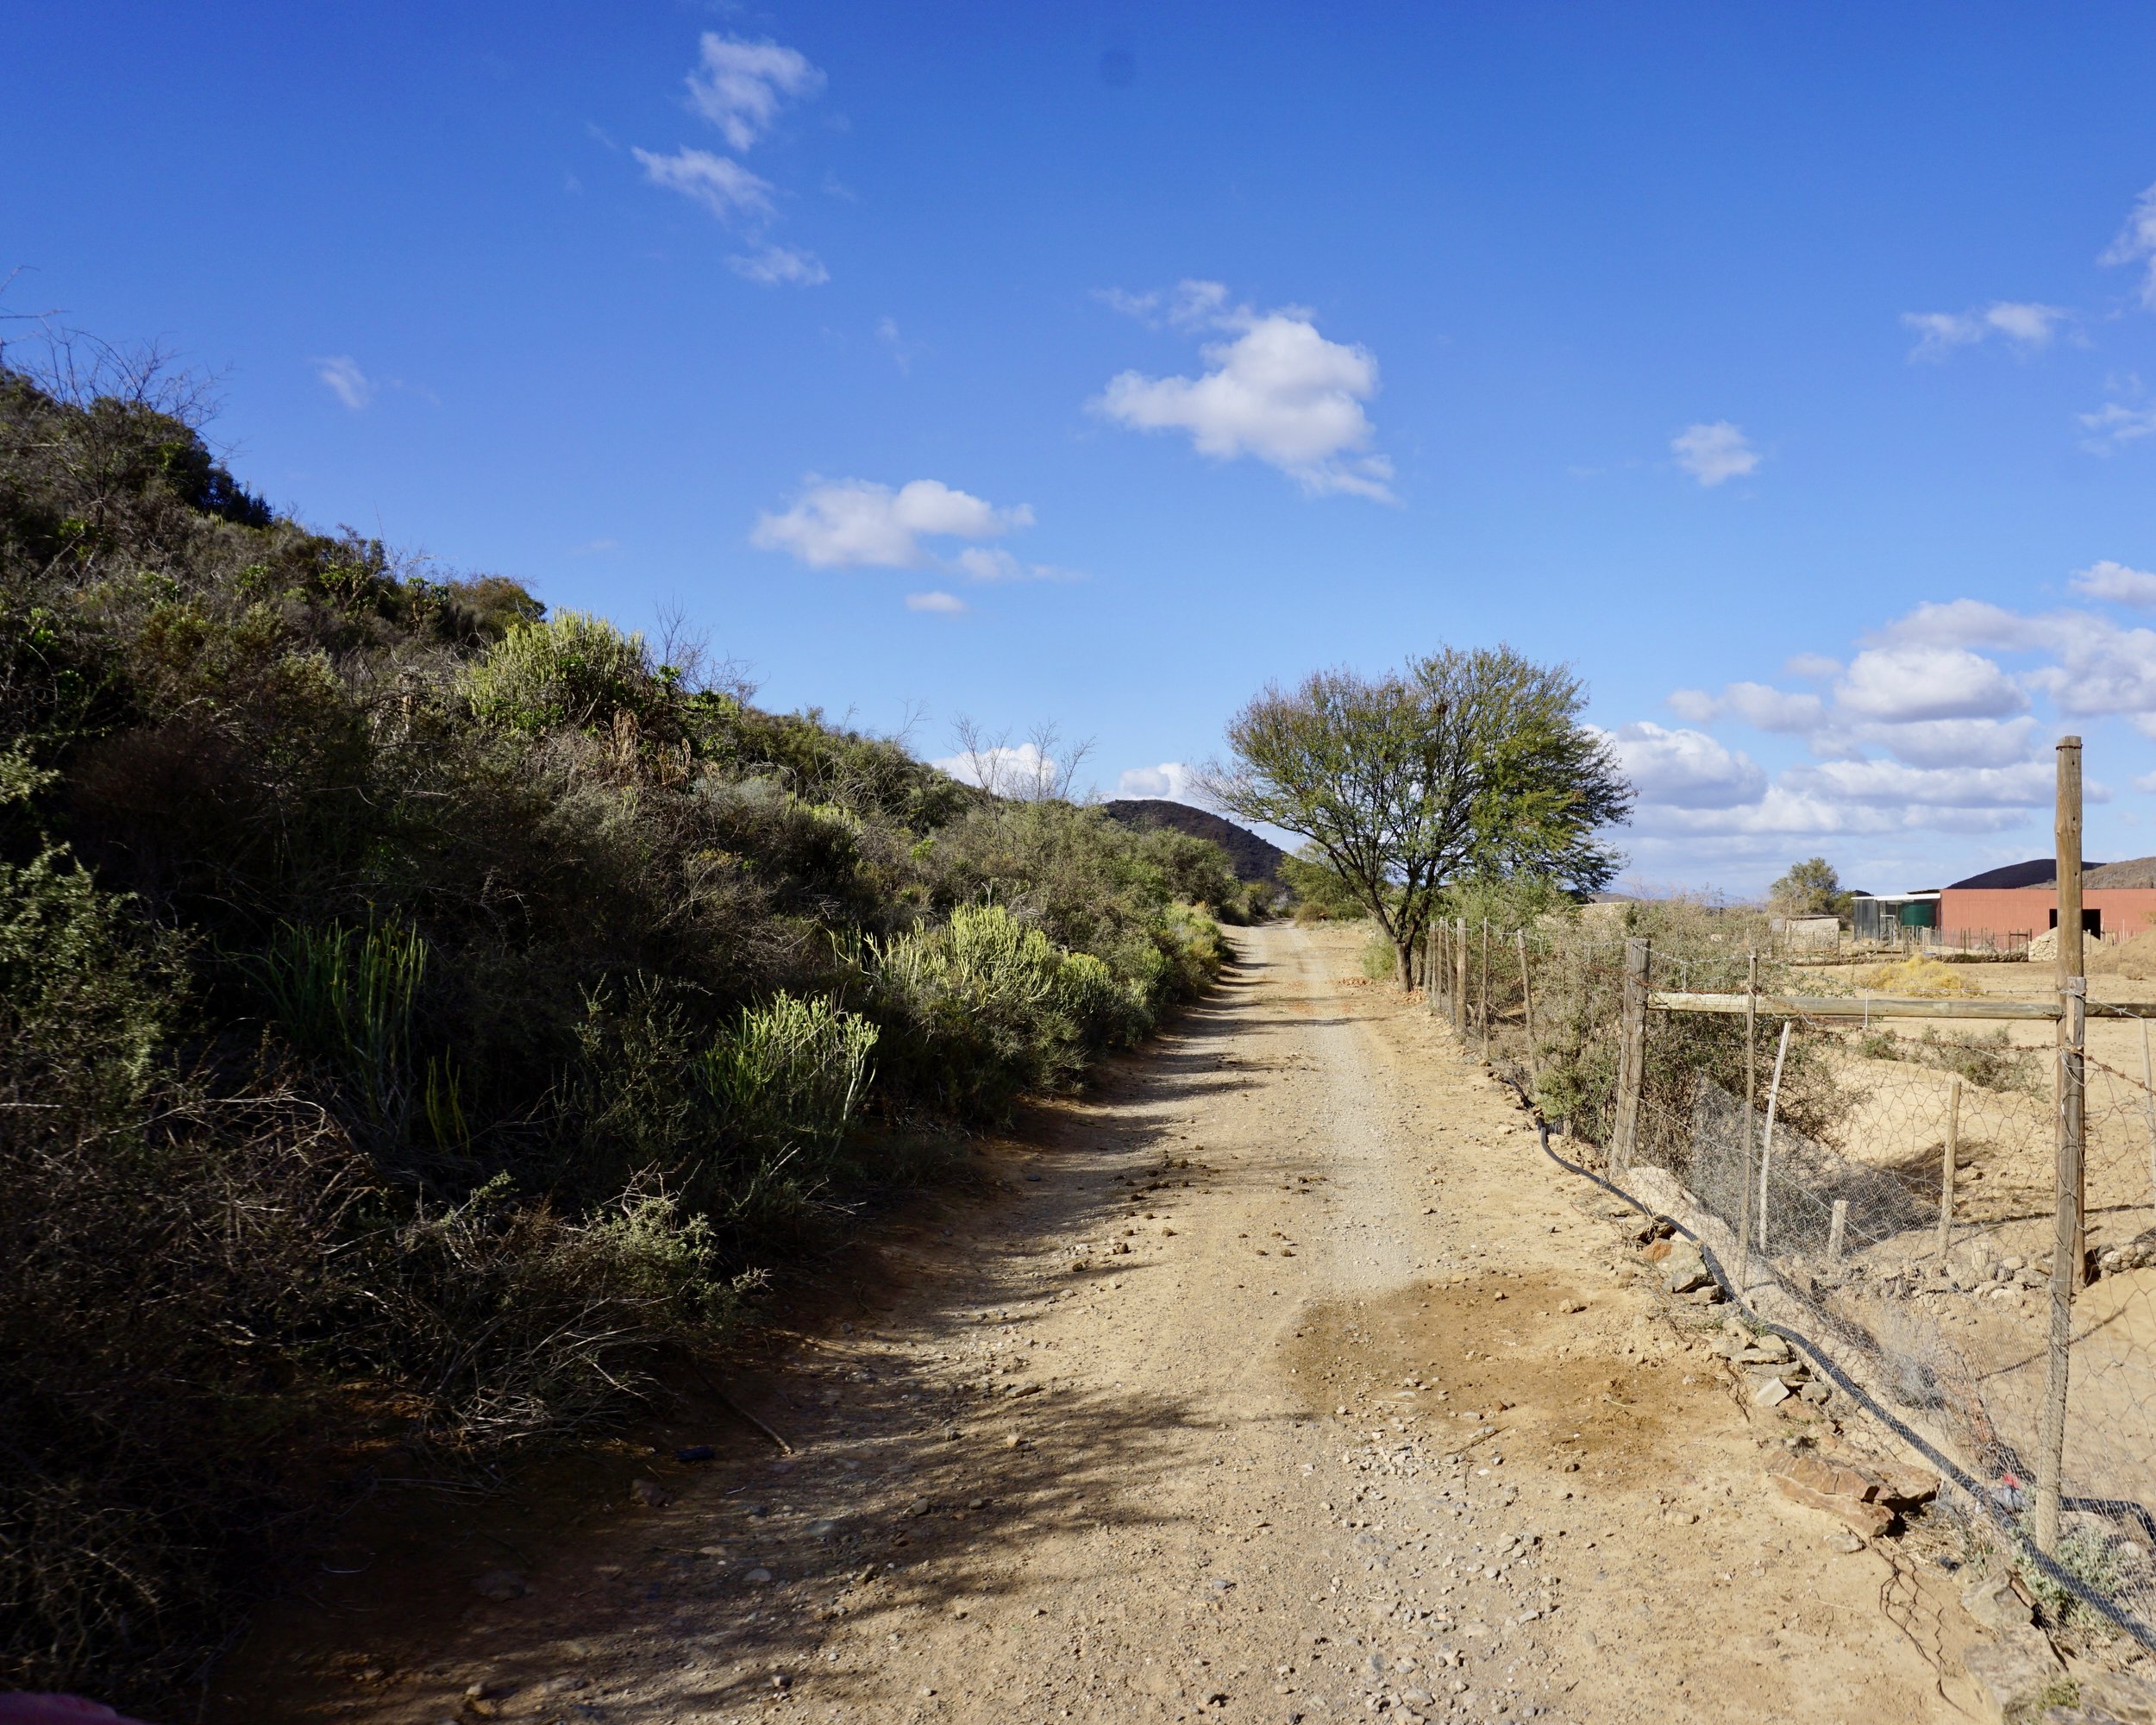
x,y
1917,976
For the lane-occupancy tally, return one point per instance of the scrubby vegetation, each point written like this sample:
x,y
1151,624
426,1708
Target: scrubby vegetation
x,y
420,1013
1579,979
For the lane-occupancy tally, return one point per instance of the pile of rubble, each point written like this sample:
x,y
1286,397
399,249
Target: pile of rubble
x,y
1772,1369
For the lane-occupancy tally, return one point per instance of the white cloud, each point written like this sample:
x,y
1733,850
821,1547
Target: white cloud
x,y
989,563
2118,583
740,87
1714,453
1685,769
1188,303
2137,242
1894,784
1169,780
1006,768
722,186
1762,707
1815,666
1900,684
855,523
1277,390
772,266
2114,425
347,381
943,603
2028,325
1950,742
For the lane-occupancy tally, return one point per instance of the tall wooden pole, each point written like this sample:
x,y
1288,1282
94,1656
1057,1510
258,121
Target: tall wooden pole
x,y
2069,1250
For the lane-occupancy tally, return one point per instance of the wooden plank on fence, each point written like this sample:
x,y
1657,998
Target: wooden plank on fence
x,y
1858,1007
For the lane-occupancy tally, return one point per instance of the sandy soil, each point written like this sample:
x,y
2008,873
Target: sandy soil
x,y
1355,1409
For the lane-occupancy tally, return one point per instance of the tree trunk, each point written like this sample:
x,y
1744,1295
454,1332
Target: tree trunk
x,y
1404,958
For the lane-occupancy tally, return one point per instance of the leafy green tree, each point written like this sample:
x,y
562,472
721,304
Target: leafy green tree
x,y
1811,889
1462,764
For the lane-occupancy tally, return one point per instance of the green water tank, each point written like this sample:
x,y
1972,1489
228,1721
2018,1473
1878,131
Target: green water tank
x,y
1921,914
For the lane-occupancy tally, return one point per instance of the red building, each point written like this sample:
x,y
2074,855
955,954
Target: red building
x,y
2117,899
1999,911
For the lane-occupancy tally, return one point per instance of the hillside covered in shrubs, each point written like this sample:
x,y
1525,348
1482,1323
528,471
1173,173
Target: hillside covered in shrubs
x,y
419,1012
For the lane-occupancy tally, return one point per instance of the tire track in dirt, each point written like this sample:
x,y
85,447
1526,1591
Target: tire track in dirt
x,y
1350,1411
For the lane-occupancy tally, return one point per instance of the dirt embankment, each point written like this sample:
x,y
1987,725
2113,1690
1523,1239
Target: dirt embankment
x,y
1352,1407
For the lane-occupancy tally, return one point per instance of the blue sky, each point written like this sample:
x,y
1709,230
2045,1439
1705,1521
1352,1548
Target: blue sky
x,y
1791,373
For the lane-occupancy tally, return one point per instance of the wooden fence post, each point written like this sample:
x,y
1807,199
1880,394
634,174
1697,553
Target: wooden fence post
x,y
1766,1135
1527,1016
2069,1246
1430,964
1752,1106
1631,1058
1459,975
1486,990
1947,1164
1837,1226
2148,1107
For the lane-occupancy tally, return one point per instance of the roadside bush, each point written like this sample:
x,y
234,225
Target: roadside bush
x,y
570,670
981,1008
1578,983
1320,892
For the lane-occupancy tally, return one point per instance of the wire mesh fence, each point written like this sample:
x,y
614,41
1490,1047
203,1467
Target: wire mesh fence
x,y
1885,1184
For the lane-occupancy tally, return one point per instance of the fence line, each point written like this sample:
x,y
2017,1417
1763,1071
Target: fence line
x,y
1955,1195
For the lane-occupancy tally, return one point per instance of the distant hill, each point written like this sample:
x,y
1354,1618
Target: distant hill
x,y
1251,858
2038,871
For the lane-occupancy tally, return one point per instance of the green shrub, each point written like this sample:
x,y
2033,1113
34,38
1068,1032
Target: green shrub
x,y
791,1072
982,1008
346,996
1321,892
569,670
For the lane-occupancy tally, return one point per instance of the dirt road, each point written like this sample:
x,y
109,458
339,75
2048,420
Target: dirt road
x,y
1351,1411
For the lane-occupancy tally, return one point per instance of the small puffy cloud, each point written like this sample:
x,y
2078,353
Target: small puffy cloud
x,y
856,524
1899,684
1276,390
1006,769
989,563
939,604
1714,453
2114,425
774,265
2026,323
1169,780
346,380
2117,583
1759,705
1187,304
1685,769
993,563
2136,243
739,86
724,187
